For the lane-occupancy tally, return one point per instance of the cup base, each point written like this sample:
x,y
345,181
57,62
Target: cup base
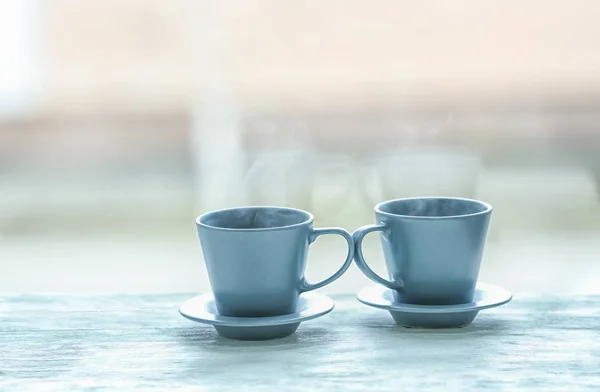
x,y
440,298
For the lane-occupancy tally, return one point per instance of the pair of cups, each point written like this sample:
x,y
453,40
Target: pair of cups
x,y
256,256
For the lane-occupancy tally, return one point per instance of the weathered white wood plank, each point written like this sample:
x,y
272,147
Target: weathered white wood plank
x,y
122,342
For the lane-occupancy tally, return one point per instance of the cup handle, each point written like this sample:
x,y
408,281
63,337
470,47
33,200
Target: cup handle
x,y
358,236
306,286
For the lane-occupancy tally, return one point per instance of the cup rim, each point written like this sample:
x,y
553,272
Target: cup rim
x,y
309,219
488,208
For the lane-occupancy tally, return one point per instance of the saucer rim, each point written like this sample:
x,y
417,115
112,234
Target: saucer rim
x,y
323,304
373,296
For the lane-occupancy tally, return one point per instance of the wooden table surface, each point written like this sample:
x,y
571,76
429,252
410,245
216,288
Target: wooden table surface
x,y
127,342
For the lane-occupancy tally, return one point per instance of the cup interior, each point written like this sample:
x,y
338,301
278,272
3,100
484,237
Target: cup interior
x,y
254,218
433,207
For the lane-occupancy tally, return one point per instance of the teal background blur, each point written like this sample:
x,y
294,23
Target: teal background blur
x,y
122,120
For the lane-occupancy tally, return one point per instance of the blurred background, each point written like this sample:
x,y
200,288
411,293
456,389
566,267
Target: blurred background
x,y
123,120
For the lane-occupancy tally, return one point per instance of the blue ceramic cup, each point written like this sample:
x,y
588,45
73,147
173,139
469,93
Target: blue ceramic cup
x,y
432,248
256,258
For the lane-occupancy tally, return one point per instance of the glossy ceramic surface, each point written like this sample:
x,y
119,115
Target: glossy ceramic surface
x,y
432,248
434,316
256,258
202,309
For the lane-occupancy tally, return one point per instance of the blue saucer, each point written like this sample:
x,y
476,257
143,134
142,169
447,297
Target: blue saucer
x,y
202,309
434,316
